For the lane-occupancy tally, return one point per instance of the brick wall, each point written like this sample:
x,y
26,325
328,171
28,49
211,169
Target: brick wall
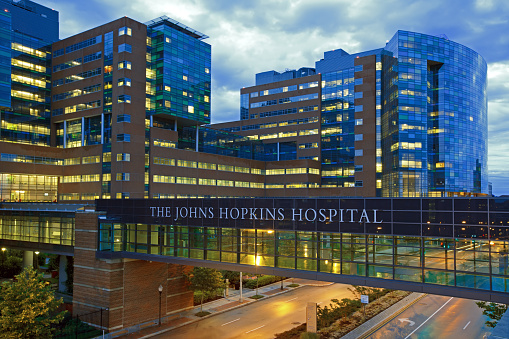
x,y
127,288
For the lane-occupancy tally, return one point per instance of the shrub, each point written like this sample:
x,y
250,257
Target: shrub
x,y
262,281
309,335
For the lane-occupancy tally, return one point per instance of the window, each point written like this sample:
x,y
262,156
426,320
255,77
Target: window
x,y
209,182
185,180
91,159
358,183
358,168
124,118
186,163
124,82
358,122
123,195
124,64
359,137
226,168
123,176
124,137
205,165
123,157
124,98
164,143
72,161
125,31
125,48
358,153
228,183
359,108
359,95
242,184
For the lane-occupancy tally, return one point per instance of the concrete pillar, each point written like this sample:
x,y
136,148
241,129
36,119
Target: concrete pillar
x,y
28,258
62,274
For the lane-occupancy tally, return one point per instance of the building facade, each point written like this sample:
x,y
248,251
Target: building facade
x,y
122,111
406,120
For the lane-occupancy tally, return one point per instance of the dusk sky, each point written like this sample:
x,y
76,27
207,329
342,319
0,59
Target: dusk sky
x,y
250,36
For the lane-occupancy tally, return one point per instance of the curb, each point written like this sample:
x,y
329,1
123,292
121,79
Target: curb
x,y
216,313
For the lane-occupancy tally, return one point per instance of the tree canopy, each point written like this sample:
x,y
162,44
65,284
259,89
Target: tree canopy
x,y
28,307
205,280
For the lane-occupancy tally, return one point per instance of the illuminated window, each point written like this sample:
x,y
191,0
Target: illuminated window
x,y
123,157
124,98
124,82
123,176
124,64
124,31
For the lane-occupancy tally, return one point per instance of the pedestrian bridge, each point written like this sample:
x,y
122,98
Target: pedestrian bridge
x,y
449,246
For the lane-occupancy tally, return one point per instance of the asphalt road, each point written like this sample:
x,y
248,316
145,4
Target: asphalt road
x,y
264,318
437,317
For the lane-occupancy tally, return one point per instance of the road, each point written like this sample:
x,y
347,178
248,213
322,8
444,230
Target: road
x,y
264,318
436,317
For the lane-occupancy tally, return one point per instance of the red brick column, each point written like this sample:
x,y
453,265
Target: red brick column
x,y
127,288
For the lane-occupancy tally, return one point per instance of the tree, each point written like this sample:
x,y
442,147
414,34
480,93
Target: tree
x,y
28,307
205,280
494,311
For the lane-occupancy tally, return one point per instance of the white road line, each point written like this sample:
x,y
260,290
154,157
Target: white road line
x,y
291,299
255,329
431,316
230,322
466,325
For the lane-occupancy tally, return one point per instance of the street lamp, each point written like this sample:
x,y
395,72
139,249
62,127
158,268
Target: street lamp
x,y
3,254
160,289
36,261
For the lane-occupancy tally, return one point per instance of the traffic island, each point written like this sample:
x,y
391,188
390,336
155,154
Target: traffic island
x,y
350,320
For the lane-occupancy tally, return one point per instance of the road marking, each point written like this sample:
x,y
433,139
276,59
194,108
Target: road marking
x,y
291,299
255,329
466,325
412,323
431,316
230,322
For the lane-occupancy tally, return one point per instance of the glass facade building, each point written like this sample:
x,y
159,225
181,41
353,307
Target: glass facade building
x,y
439,89
180,66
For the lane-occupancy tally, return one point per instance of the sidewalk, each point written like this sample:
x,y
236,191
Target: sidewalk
x,y
149,329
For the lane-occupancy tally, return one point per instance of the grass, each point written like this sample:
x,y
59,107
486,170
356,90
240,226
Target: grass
x,y
257,296
293,285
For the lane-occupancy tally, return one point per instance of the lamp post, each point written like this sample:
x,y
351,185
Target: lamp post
x,y
3,254
160,289
36,261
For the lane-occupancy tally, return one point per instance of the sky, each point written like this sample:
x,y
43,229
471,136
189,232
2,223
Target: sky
x,y
252,36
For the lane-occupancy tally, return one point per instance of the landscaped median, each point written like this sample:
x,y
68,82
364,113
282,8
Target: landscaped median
x,y
342,316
